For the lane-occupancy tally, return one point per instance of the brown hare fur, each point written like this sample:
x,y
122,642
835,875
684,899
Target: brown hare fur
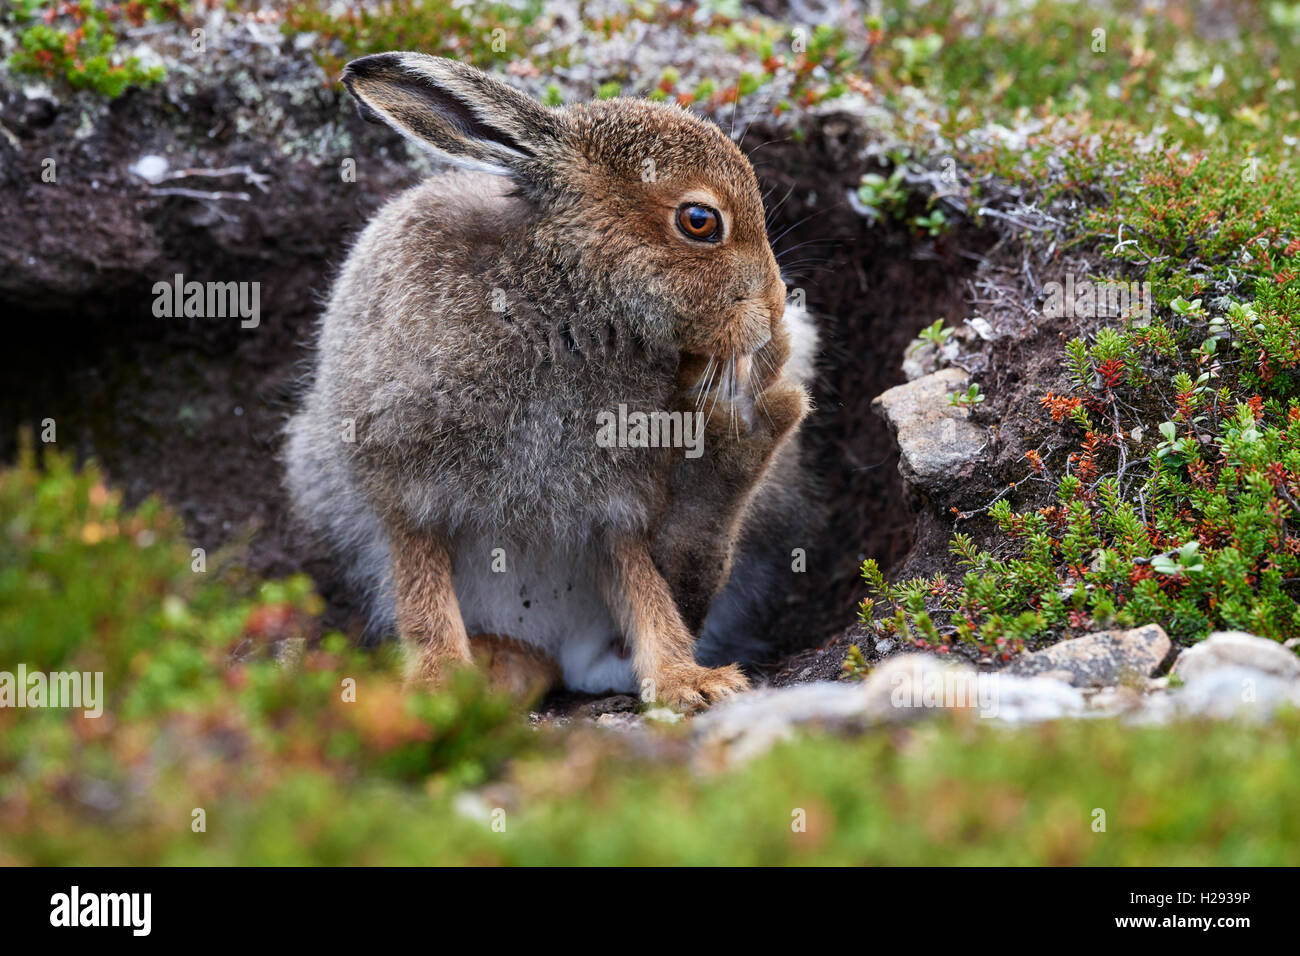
x,y
447,451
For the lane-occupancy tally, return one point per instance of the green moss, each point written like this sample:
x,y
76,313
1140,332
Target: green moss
x,y
1111,61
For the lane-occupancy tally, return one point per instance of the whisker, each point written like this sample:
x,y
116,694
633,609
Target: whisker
x,y
765,105
734,105
806,242
713,405
706,381
788,268
782,139
774,373
767,222
787,230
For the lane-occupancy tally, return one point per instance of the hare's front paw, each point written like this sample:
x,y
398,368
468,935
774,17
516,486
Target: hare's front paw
x,y
692,687
781,407
743,443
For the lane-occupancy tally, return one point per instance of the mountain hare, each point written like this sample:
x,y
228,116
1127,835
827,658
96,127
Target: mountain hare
x,y
473,445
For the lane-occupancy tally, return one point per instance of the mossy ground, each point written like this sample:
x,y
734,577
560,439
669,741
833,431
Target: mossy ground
x,y
1173,147
329,761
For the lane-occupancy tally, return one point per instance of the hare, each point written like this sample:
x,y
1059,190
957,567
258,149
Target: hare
x,y
599,259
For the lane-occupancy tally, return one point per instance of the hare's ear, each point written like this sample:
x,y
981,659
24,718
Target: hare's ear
x,y
453,109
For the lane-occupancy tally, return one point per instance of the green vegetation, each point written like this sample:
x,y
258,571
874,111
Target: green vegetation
x,y
967,399
480,33
1169,491
1123,62
288,770
817,62
76,40
198,713
1166,489
1198,533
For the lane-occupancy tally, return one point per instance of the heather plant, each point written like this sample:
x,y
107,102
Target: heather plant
x,y
1166,487
1172,498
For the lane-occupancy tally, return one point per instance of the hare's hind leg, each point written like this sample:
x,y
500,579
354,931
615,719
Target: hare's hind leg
x,y
428,615
513,666
662,645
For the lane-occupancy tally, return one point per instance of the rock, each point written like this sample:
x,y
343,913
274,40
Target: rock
x,y
1237,649
936,440
903,689
1027,700
614,704
151,168
752,723
1229,691
1046,685
1101,659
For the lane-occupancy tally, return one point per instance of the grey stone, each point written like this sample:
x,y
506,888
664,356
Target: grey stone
x,y
908,686
1240,692
1120,699
1101,659
752,723
905,688
1237,649
1027,700
935,439
619,721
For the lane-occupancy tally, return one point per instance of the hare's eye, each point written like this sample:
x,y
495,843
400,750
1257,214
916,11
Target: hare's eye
x,y
699,222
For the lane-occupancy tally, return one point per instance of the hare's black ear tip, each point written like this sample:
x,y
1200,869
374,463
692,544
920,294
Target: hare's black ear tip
x,y
366,67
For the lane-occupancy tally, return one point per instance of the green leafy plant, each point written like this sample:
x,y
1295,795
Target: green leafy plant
x,y
936,333
932,223
77,41
885,195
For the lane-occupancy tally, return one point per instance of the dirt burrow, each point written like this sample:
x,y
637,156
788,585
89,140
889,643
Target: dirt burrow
x,y
192,409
